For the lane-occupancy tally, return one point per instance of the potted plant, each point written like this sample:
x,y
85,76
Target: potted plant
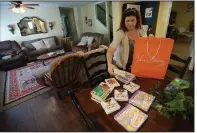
x,y
175,102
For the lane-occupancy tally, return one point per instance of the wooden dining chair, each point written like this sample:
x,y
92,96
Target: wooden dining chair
x,y
181,72
62,77
95,66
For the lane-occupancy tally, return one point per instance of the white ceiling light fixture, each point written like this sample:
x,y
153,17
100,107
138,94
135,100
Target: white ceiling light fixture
x,y
21,10
15,10
18,10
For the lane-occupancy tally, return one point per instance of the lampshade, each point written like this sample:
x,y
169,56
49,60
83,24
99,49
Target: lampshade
x,y
18,10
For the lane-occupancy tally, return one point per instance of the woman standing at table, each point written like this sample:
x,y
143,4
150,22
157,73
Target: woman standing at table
x,y
123,42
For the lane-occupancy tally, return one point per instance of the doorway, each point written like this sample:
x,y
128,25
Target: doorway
x,y
67,26
68,22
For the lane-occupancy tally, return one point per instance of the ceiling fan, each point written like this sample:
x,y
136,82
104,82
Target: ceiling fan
x,y
18,6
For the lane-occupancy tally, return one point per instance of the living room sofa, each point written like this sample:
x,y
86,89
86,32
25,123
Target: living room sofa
x,y
32,53
16,57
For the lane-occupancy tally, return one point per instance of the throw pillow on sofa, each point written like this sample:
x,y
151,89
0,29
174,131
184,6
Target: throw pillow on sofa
x,y
39,45
90,40
83,42
49,42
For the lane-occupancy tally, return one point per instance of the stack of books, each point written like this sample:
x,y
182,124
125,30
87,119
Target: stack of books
x,y
110,105
100,92
142,100
130,118
124,76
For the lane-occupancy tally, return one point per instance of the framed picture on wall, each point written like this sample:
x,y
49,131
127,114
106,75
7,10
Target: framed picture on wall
x,y
148,12
89,22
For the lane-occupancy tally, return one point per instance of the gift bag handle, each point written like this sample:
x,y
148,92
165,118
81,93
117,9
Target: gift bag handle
x,y
147,44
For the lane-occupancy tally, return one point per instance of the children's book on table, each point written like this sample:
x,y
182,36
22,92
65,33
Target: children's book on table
x,y
130,117
142,100
110,105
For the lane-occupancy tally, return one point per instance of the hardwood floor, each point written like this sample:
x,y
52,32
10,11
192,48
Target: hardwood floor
x,y
43,113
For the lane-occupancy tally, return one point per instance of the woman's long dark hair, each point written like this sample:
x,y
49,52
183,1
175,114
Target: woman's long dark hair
x,y
130,12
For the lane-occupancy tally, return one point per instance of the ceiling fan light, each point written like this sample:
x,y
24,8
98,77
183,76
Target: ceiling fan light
x,y
15,10
21,10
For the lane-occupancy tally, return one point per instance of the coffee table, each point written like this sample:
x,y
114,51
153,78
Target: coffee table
x,y
46,56
155,121
50,55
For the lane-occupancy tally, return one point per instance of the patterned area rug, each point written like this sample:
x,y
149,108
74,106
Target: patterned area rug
x,y
21,85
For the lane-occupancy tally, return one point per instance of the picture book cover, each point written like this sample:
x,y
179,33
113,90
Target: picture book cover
x,y
121,95
130,117
178,83
106,86
112,82
131,87
100,92
142,100
110,105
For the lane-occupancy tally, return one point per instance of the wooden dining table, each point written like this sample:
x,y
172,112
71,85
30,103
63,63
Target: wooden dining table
x,y
155,121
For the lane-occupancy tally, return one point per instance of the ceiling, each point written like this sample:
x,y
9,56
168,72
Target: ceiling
x,y
50,3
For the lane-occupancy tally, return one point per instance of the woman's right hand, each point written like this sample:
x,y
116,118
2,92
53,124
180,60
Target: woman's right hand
x,y
111,69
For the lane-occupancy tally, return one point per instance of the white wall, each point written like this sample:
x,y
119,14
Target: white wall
x,y
89,11
46,13
117,14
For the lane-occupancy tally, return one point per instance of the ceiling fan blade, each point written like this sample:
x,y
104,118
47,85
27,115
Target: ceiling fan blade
x,y
16,2
25,6
10,7
30,7
13,2
32,4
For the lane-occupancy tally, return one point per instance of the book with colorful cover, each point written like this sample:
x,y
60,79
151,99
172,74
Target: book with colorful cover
x,y
106,86
130,117
124,76
100,93
142,100
178,83
131,87
110,105
112,82
121,95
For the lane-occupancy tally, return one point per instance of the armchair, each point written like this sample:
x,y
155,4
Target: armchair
x,y
97,41
62,76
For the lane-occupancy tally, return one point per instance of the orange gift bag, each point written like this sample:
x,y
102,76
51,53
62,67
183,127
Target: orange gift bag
x,y
151,57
